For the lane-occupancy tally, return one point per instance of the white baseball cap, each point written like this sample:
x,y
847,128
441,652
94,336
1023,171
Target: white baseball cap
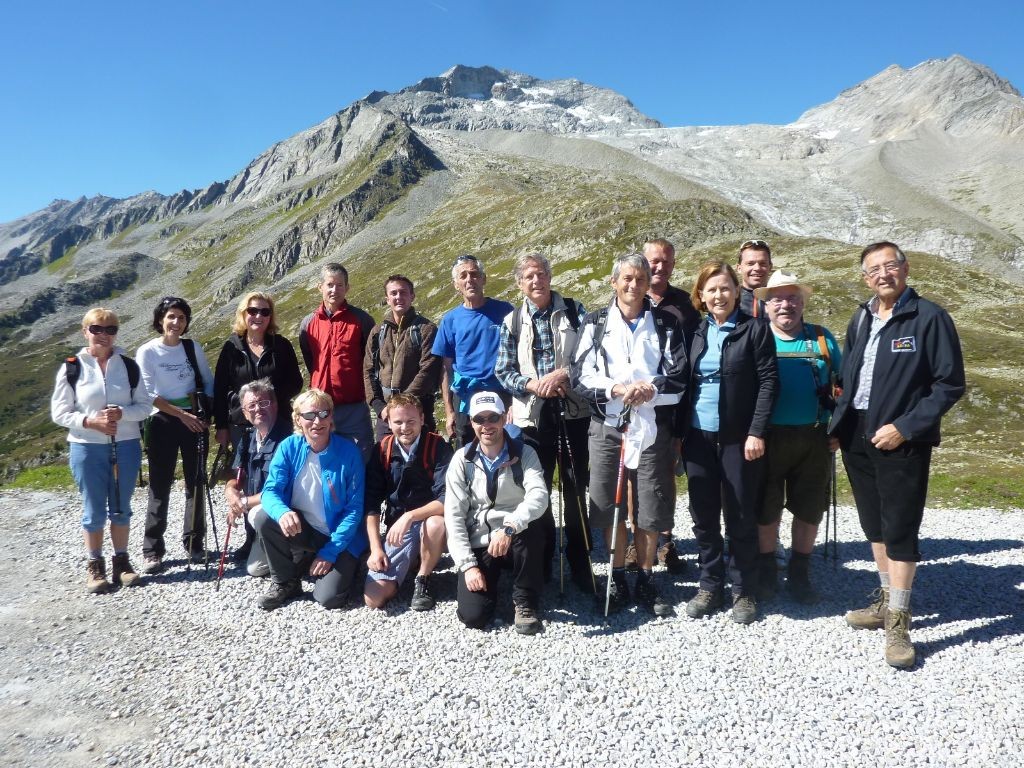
x,y
485,402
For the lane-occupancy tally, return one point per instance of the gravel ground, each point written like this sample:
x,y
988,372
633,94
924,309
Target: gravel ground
x,y
176,674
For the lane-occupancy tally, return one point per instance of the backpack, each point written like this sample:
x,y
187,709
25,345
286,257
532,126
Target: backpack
x,y
73,371
571,311
515,462
601,323
428,452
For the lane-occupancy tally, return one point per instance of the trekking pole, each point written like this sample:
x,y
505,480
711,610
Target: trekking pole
x,y
623,427
835,518
561,520
581,500
240,482
115,469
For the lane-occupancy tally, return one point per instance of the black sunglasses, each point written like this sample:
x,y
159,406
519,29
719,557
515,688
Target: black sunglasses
x,y
261,311
110,330
493,418
312,415
171,300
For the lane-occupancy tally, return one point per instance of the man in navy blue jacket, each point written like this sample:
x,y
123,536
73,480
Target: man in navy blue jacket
x,y
406,474
902,370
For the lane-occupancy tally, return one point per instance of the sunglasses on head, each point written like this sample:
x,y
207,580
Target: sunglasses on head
x,y
261,311
312,415
461,259
171,300
753,244
492,418
110,330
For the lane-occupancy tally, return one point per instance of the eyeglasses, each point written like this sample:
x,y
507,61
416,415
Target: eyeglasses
x,y
259,405
481,419
110,330
794,298
261,311
753,244
889,266
313,415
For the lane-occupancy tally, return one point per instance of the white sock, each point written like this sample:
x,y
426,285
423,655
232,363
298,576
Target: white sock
x,y
95,554
899,599
884,576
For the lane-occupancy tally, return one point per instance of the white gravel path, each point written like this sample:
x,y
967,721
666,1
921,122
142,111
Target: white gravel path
x,y
176,674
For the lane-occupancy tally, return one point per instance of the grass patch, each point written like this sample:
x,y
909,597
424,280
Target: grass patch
x,y
51,477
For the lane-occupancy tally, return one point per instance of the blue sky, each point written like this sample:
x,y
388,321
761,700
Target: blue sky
x,y
115,97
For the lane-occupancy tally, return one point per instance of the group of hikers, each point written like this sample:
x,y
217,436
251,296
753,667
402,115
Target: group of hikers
x,y
727,383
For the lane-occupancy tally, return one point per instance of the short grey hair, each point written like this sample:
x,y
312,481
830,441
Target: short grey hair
x,y
259,387
468,257
333,268
634,260
537,258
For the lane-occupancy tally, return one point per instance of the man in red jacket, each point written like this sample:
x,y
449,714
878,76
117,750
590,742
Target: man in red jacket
x,y
333,341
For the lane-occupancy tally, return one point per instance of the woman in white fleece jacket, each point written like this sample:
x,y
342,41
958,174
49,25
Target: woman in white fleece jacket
x,y
495,493
94,400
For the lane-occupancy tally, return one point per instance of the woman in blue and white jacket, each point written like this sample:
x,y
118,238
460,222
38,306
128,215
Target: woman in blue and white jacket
x,y
95,400
313,508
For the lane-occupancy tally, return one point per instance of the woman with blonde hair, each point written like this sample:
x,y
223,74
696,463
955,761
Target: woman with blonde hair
x,y
254,350
99,398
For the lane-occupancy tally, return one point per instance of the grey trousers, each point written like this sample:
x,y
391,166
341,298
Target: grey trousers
x,y
286,553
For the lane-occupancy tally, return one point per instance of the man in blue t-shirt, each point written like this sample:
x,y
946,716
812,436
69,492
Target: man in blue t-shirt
x,y
467,340
797,449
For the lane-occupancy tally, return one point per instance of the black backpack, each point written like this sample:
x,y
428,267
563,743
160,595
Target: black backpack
x,y
601,324
515,460
73,371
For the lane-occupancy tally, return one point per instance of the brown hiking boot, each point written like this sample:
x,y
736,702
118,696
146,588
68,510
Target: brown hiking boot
x,y
899,651
526,622
96,576
669,556
872,617
152,563
121,571
631,561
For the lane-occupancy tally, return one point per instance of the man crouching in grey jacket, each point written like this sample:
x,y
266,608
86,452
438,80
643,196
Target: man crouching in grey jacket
x,y
495,493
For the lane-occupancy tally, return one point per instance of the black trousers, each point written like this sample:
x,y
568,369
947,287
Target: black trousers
x,y
476,609
889,488
167,437
575,477
723,483
288,555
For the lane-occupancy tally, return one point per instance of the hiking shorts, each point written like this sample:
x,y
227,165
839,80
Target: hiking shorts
x,y
400,558
799,472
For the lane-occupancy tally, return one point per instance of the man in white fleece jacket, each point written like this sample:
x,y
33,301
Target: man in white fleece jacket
x,y
495,493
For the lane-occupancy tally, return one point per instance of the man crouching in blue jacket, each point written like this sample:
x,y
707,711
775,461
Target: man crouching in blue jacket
x,y
313,505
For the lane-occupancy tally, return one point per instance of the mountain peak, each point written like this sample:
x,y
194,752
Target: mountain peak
x,y
956,95
476,98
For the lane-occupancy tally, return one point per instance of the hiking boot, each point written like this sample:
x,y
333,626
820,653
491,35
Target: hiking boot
x,y
241,555
744,609
704,603
279,594
899,651
767,576
648,596
669,556
96,576
798,580
619,595
872,617
121,571
152,563
422,600
631,561
527,622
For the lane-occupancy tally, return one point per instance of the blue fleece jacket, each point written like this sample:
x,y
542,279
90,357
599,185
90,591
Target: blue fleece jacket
x,y
342,476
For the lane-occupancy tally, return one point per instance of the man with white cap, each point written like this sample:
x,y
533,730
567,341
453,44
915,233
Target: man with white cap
x,y
495,494
631,357
797,448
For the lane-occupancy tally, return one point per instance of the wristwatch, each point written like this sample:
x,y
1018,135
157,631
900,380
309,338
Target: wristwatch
x,y
508,530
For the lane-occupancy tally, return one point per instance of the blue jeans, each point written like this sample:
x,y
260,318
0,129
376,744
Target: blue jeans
x,y
93,470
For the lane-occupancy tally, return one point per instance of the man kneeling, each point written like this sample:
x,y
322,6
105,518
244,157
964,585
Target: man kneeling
x,y
495,493
407,473
313,508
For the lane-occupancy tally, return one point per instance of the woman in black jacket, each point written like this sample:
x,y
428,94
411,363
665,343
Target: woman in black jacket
x,y
733,382
253,351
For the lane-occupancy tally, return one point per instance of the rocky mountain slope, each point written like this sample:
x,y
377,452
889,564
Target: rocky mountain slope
x,y
495,162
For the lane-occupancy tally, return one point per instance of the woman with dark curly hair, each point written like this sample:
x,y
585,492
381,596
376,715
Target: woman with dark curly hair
x,y
179,378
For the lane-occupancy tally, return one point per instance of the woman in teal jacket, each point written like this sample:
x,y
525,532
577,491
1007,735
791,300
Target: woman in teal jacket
x,y
312,506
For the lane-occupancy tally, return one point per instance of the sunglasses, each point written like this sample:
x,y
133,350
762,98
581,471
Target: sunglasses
x,y
110,330
493,418
753,244
313,415
261,311
171,300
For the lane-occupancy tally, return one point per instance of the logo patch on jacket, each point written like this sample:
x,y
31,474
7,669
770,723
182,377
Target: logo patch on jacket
x,y
906,344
